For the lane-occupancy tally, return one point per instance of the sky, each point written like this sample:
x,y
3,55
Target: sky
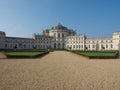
x,y
94,18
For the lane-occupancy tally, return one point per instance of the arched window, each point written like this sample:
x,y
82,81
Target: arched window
x,y
63,45
89,46
5,45
58,45
106,46
58,35
24,46
62,35
54,34
111,46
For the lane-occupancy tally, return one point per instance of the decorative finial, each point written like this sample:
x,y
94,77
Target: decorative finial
x,y
59,23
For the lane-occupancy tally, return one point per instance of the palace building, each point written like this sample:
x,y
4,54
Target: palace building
x,y
60,37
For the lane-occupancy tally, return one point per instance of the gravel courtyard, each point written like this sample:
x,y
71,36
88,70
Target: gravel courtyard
x,y
60,70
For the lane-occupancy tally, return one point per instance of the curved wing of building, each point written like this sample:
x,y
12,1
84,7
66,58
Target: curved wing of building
x,y
60,37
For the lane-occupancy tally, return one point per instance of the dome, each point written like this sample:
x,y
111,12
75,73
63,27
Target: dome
x,y
60,26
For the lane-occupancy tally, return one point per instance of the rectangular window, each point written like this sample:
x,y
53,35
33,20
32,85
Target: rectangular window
x,y
73,46
76,46
81,46
54,34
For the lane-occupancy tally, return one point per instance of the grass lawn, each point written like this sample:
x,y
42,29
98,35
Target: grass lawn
x,y
23,54
97,54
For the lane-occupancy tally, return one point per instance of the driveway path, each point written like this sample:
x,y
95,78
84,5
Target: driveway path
x,y
60,70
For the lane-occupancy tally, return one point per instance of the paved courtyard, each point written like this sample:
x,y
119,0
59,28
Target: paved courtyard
x,y
60,70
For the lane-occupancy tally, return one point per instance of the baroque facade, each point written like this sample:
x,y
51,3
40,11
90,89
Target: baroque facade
x,y
60,37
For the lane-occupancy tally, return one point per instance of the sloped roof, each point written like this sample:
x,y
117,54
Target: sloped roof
x,y
59,26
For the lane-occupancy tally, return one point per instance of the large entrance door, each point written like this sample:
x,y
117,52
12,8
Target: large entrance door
x,y
54,45
59,46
